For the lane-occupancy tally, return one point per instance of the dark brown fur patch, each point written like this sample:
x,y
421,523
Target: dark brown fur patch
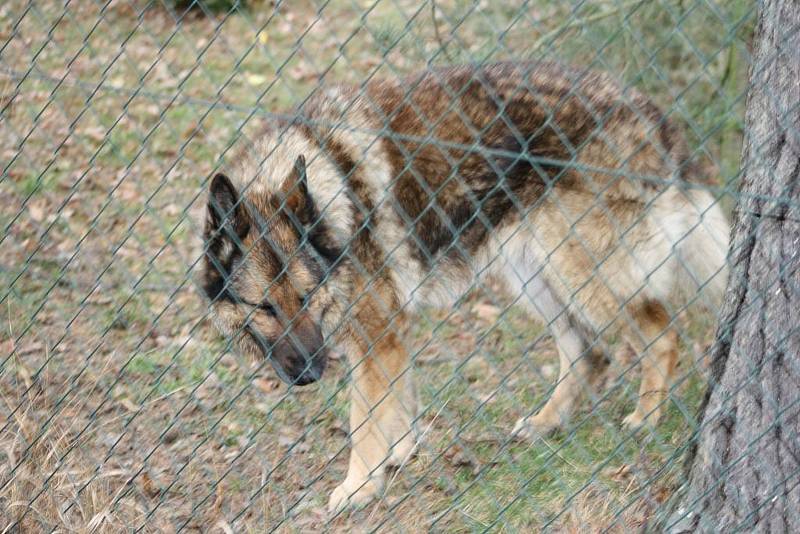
x,y
469,147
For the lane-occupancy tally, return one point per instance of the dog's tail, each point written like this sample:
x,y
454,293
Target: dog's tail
x,y
700,248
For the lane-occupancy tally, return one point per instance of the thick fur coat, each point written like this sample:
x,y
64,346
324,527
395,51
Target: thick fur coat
x,y
576,191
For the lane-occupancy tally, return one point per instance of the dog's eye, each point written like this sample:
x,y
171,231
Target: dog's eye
x,y
303,300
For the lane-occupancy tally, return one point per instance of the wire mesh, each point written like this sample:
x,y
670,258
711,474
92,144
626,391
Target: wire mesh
x,y
126,409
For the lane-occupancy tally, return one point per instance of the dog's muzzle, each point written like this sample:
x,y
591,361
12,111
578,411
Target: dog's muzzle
x,y
299,357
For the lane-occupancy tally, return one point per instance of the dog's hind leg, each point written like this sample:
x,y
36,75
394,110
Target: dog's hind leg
x,y
580,364
382,411
656,344
581,361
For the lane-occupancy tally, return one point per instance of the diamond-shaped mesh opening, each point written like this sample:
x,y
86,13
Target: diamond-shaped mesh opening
x,y
126,408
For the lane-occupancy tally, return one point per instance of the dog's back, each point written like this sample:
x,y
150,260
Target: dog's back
x,y
444,163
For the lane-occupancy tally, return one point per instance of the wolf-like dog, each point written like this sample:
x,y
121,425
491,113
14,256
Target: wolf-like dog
x,y
368,200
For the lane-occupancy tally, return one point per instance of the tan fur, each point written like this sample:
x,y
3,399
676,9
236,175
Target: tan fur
x,y
574,191
383,404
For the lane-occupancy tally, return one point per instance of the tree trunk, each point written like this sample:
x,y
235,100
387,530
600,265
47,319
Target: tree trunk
x,y
744,471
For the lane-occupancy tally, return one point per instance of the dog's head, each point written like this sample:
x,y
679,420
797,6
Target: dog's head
x,y
262,269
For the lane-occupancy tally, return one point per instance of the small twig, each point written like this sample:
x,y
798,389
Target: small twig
x,y
559,456
475,519
477,440
442,44
727,72
583,21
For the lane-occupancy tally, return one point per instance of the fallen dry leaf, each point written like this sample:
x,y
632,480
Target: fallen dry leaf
x,y
457,456
267,385
297,445
36,210
30,348
129,405
150,488
302,73
255,79
338,429
620,473
548,371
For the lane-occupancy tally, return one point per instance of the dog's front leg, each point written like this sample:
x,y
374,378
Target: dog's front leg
x,y
382,411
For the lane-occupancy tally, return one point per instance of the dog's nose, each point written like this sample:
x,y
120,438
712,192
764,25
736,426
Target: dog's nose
x,y
297,369
311,373
300,358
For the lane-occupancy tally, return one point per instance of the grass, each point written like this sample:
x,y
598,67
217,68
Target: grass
x,y
535,484
123,406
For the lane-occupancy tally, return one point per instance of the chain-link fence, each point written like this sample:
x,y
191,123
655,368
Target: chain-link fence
x,y
125,409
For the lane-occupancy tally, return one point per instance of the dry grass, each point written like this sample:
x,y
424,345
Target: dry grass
x,y
123,409
50,482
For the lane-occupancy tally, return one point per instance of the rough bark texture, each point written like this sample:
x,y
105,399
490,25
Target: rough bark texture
x,y
745,469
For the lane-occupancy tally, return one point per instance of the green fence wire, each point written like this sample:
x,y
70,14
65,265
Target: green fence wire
x,y
123,406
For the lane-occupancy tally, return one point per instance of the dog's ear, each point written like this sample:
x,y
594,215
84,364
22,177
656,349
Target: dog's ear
x,y
227,216
296,199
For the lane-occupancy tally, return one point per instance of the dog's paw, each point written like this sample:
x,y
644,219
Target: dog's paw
x,y
353,494
636,420
633,421
529,429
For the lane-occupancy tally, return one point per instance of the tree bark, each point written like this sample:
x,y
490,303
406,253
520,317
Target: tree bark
x,y
744,471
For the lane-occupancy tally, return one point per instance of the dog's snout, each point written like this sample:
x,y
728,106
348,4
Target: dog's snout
x,y
299,356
